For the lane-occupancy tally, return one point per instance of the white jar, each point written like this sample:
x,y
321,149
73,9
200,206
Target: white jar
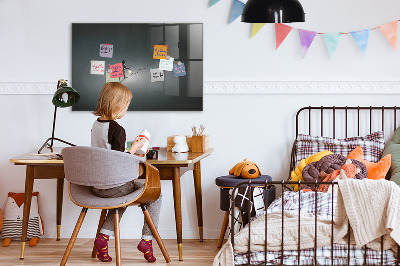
x,y
144,134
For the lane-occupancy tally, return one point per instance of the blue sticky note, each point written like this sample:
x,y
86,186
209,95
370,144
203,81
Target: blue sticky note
x,y
179,70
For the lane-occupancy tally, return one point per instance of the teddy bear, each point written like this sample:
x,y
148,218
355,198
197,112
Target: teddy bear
x,y
245,169
180,144
13,215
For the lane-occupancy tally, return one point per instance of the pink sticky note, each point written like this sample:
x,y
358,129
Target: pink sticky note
x,y
116,71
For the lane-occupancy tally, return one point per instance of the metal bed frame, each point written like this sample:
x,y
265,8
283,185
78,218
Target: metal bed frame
x,y
283,184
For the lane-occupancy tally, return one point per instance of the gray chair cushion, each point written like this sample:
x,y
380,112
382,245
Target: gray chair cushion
x,y
99,167
84,196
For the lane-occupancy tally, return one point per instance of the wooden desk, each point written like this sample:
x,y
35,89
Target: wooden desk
x,y
171,167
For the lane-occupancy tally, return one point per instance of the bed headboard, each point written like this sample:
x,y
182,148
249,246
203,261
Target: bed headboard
x,y
344,121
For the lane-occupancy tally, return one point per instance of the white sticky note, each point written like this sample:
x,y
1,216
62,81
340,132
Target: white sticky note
x,y
166,64
156,75
97,67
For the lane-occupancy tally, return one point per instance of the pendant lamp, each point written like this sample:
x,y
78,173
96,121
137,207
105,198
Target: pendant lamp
x,y
273,11
64,96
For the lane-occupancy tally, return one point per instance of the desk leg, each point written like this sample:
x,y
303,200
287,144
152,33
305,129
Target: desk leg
x,y
199,204
176,182
60,190
27,206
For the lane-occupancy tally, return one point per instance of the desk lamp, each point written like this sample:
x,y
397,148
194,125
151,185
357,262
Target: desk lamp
x,y
273,11
64,96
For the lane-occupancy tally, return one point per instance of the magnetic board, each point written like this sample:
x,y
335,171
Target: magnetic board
x,y
162,64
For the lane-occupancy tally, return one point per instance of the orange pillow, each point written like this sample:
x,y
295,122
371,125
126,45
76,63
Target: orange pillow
x,y
375,170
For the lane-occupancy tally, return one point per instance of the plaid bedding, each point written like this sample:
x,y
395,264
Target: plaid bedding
x,y
372,145
322,207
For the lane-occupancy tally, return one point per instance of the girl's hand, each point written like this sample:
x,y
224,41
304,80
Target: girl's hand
x,y
143,155
137,144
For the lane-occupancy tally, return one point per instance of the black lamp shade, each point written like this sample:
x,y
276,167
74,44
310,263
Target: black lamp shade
x,y
273,11
71,99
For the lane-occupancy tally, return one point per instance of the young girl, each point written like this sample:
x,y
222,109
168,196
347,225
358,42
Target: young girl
x,y
113,103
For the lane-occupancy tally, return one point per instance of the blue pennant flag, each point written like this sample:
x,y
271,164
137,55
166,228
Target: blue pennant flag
x,y
361,38
237,9
332,41
213,2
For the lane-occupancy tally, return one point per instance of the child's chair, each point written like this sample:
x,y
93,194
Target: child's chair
x,y
85,167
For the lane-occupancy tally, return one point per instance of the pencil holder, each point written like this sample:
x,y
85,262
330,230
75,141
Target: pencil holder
x,y
200,143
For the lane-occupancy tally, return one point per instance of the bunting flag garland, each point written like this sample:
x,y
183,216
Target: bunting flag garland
x,y
361,37
306,39
389,30
213,2
332,41
256,28
281,31
237,9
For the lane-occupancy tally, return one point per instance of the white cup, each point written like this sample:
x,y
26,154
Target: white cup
x,y
144,134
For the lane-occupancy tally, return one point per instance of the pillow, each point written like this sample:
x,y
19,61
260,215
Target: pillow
x,y
375,170
372,144
393,148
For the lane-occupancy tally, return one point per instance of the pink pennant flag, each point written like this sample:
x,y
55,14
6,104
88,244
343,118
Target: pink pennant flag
x,y
306,39
281,31
389,30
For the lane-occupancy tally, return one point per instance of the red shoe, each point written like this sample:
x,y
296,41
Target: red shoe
x,y
101,245
146,247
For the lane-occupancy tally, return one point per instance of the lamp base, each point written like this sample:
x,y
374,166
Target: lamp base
x,y
50,146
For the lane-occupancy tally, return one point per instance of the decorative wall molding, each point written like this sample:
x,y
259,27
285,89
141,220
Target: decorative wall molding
x,y
248,87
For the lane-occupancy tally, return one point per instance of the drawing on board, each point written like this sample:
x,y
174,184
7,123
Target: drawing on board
x,y
143,57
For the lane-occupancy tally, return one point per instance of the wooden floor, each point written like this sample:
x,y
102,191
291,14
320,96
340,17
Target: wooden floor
x,y
50,252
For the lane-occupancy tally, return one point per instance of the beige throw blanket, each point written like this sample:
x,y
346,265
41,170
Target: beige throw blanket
x,y
372,206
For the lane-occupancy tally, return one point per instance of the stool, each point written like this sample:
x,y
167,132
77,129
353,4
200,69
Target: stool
x,y
226,183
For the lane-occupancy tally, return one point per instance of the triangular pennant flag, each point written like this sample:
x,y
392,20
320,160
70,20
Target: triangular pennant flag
x,y
332,41
281,31
256,28
213,2
237,9
390,32
361,37
306,39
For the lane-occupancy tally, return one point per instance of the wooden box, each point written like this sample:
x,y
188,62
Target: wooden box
x,y
200,143
171,143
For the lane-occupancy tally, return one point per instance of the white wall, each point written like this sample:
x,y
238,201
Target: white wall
x,y
35,46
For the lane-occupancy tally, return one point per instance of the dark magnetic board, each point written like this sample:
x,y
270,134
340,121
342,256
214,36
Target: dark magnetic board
x,y
133,44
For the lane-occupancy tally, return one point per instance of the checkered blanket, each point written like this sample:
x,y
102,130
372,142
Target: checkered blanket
x,y
324,206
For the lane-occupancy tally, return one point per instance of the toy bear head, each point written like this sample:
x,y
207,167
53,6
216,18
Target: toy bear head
x,y
245,169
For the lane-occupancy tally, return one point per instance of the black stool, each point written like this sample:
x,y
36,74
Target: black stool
x,y
226,183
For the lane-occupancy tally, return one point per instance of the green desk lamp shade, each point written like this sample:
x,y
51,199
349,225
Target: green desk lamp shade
x,y
64,96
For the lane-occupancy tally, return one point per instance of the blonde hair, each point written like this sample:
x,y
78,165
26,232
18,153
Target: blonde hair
x,y
113,98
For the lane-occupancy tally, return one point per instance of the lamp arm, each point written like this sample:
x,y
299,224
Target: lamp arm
x,y
54,126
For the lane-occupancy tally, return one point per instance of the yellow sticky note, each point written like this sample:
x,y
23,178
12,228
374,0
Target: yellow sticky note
x,y
160,51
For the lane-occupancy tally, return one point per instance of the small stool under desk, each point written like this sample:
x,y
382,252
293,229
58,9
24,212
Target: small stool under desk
x,y
226,183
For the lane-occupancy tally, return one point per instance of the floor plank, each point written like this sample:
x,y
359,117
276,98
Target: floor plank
x,y
49,252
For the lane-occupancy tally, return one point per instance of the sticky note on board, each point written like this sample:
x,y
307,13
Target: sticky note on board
x,y
97,67
106,50
156,75
160,51
166,64
116,70
179,70
109,79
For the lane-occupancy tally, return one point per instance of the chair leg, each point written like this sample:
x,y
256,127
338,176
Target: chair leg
x,y
117,238
101,222
73,237
223,229
154,230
